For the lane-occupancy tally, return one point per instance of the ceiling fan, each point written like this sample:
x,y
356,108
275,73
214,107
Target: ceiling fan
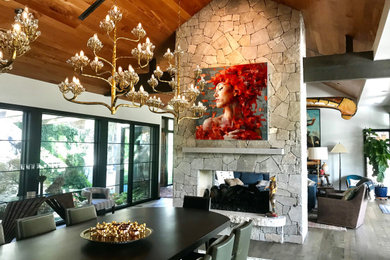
x,y
90,9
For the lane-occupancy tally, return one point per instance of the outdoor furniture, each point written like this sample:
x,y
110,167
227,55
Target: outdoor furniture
x,y
24,207
78,215
34,225
176,232
100,198
194,202
333,210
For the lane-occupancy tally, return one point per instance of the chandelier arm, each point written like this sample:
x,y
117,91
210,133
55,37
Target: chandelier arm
x,y
73,99
103,59
125,57
95,77
3,30
128,39
127,105
188,117
163,112
163,81
102,73
142,66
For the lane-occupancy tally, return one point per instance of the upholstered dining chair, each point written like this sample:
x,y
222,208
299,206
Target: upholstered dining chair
x,y
2,238
99,197
78,215
34,225
242,239
194,202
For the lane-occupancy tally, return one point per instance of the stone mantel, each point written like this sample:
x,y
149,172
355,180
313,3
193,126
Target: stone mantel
x,y
233,150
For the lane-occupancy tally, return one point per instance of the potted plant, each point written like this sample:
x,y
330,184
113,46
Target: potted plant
x,y
378,153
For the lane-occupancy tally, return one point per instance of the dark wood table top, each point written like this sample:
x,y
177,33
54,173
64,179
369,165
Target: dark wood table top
x,y
176,232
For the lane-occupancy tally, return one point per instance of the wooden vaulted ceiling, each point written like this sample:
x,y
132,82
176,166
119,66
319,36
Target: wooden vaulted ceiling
x,y
63,34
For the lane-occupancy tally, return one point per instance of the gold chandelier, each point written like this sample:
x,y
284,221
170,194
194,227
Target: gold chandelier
x,y
122,82
16,42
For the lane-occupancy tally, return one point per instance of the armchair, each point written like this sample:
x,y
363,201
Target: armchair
x,y
333,210
101,200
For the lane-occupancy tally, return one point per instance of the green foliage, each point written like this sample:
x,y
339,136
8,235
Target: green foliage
x,y
120,198
378,153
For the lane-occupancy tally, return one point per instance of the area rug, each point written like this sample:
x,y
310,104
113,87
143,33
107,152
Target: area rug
x,y
385,208
323,226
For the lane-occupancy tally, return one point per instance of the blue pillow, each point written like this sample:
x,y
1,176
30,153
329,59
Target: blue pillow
x,y
237,175
250,177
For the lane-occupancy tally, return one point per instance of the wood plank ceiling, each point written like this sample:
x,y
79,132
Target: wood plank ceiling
x,y
63,34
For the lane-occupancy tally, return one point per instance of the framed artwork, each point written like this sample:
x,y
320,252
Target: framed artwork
x,y
236,101
313,128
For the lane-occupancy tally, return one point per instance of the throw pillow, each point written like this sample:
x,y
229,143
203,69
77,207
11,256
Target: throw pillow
x,y
262,183
352,183
310,182
234,182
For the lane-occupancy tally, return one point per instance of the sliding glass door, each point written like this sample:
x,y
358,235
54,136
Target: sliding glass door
x,y
11,146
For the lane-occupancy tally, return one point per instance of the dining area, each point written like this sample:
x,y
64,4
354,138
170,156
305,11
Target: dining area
x,y
168,233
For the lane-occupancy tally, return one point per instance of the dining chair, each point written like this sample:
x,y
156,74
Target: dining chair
x,y
206,257
242,239
222,248
34,225
2,238
194,202
78,215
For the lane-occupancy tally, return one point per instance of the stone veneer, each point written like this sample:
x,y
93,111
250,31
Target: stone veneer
x,y
229,32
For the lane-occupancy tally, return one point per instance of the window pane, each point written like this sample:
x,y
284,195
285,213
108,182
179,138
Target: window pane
x,y
170,124
9,184
11,143
141,190
142,134
67,129
118,133
67,152
141,153
117,153
66,179
142,171
170,158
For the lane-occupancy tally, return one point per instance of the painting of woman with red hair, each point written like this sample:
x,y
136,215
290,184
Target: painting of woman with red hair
x,y
236,97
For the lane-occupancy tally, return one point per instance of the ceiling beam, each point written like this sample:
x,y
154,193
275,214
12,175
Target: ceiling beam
x,y
348,66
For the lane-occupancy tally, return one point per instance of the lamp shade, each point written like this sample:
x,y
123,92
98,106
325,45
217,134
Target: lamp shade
x,y
339,148
318,153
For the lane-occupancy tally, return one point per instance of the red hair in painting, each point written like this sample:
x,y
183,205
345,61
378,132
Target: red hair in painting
x,y
246,83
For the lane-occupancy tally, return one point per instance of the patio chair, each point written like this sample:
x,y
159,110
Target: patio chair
x,y
100,198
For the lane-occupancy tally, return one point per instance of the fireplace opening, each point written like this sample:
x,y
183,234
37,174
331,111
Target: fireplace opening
x,y
240,191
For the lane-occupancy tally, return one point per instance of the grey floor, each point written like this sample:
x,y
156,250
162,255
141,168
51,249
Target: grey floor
x,y
370,241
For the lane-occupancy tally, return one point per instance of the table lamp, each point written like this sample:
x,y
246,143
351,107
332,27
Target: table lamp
x,y
318,154
339,148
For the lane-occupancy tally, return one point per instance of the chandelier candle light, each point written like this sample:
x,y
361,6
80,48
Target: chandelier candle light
x,y
122,82
16,42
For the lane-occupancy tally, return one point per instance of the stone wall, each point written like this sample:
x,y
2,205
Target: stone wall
x,y
239,32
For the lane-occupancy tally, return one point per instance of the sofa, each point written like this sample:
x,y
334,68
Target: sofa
x,y
334,210
251,178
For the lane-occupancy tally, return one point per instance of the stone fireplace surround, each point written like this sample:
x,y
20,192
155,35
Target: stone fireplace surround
x,y
227,33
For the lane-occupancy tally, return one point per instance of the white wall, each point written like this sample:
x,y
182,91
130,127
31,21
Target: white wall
x,y
334,129
34,93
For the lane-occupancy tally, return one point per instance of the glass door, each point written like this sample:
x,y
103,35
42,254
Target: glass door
x,y
118,155
144,162
11,145
383,134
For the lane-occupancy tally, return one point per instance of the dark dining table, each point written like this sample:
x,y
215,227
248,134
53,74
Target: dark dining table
x,y
176,232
